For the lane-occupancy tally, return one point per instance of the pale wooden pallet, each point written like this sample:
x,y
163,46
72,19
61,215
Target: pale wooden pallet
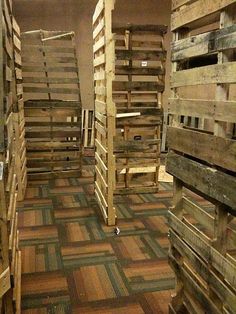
x,y
18,118
202,158
9,273
53,104
128,111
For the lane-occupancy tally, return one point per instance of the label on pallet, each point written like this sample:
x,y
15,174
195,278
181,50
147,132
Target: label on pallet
x,y
144,63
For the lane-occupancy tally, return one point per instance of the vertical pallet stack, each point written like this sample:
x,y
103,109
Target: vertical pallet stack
x,y
138,95
105,111
19,118
52,104
202,156
10,256
129,69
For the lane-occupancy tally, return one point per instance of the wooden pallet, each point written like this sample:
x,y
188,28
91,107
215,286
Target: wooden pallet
x,y
9,273
129,81
202,156
53,105
18,116
88,128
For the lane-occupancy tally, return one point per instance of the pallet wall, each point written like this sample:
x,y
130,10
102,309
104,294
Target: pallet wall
x,y
10,256
202,156
137,93
52,104
18,113
129,69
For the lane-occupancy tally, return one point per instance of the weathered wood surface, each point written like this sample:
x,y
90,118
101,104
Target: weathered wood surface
x,y
10,99
104,60
50,53
213,149
53,114
196,10
211,182
202,155
53,137
129,63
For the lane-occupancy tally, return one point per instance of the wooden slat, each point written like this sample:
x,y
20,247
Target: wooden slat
x,y
213,183
212,74
197,10
205,251
212,149
204,44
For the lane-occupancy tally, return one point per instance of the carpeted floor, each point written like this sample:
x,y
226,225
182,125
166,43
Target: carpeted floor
x,y
73,263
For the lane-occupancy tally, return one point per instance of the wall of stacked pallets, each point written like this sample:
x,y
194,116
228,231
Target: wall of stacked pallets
x,y
129,69
138,96
10,256
202,156
52,104
18,115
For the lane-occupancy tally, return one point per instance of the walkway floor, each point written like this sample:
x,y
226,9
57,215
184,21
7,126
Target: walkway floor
x,y
73,263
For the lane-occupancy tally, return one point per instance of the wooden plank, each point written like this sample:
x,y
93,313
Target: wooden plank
x,y
54,90
50,80
203,146
48,175
204,44
199,214
202,108
141,29
132,145
140,55
15,26
150,71
226,295
57,69
54,104
138,86
197,10
211,182
204,250
99,28
211,74
98,10
178,3
53,49
99,60
5,283
99,44
49,59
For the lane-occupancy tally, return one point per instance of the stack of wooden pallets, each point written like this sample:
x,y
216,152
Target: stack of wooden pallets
x,y
18,108
202,156
10,256
129,72
53,105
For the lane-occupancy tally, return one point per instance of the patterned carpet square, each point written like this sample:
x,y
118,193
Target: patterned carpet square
x,y
73,263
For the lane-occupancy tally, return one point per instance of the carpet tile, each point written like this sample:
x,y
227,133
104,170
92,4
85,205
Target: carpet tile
x,y
73,263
